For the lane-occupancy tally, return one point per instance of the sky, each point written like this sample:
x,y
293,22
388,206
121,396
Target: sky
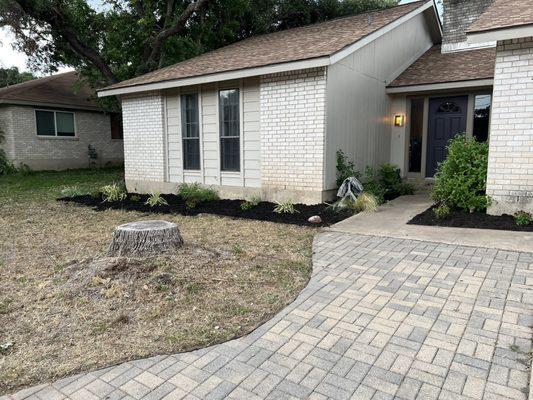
x,y
12,58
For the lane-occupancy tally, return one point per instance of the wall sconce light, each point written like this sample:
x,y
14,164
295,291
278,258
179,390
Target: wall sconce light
x,y
398,120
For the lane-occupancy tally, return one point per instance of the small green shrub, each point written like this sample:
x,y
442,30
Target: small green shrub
x,y
442,211
285,208
156,200
135,198
345,168
96,194
113,192
193,194
460,181
372,185
71,191
250,203
386,183
523,218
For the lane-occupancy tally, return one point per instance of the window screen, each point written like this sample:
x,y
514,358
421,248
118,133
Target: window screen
x,y
45,123
229,130
190,128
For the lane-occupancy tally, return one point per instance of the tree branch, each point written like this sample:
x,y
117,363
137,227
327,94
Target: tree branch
x,y
177,27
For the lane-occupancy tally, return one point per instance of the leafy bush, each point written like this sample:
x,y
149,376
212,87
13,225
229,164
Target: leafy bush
x,y
442,211
135,197
155,200
345,168
285,208
461,179
250,203
386,183
96,194
523,218
71,191
193,194
113,192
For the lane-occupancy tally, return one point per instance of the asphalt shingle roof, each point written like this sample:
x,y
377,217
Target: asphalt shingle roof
x,y
504,14
436,67
308,42
61,89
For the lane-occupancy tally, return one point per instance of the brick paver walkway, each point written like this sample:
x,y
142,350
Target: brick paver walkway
x,y
381,319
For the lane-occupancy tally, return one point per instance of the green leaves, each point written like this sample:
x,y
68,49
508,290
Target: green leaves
x,y
461,179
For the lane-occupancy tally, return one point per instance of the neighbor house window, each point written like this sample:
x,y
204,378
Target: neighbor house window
x,y
415,135
55,123
190,128
482,117
229,130
117,132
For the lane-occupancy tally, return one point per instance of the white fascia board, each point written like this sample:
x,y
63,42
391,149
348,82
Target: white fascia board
x,y
501,34
268,69
442,86
51,105
223,76
380,32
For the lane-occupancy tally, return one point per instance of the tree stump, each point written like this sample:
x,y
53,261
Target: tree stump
x,y
142,238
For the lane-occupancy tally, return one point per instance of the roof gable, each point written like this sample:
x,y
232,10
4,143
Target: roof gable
x,y
312,42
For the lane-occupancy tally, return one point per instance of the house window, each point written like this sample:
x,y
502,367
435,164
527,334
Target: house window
x,y
482,117
415,135
229,130
55,123
117,131
190,128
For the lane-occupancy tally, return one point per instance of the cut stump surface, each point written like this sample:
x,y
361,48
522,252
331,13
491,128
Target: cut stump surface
x,y
143,238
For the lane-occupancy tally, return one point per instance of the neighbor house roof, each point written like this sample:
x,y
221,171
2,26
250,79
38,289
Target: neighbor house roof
x,y
60,90
504,14
435,67
304,43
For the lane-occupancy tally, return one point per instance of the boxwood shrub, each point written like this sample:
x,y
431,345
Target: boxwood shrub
x,y
460,181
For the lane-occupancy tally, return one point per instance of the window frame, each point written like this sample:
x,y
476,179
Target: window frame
x,y
239,125
186,138
55,135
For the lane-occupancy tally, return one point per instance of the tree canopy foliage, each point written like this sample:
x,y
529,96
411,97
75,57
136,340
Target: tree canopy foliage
x,y
12,76
124,38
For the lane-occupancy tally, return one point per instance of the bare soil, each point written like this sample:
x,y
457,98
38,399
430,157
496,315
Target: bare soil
x,y
66,308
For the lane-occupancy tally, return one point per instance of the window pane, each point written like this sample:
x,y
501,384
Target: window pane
x,y
190,131
230,148
45,123
191,153
482,117
65,124
415,135
229,130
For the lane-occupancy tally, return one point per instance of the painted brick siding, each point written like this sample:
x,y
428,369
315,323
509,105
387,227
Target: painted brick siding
x,y
458,16
144,132
293,112
38,152
510,172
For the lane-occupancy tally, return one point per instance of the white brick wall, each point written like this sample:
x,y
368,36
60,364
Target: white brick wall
x,y
510,172
293,116
144,147
39,152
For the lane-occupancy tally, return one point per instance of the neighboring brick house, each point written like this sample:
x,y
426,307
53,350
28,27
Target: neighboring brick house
x,y
49,124
266,115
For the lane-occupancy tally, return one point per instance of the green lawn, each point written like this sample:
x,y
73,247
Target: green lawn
x,y
47,185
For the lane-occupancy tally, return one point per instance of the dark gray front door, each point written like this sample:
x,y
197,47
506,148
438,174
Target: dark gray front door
x,y
447,118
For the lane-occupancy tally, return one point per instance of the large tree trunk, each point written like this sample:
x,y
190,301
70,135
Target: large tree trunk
x,y
143,238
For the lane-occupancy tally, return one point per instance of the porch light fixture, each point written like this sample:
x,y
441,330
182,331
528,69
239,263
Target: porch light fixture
x,y
398,120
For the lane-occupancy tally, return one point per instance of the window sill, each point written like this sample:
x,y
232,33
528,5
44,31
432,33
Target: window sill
x,y
57,137
192,171
230,173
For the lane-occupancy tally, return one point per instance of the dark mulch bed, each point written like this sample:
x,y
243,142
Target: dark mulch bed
x,y
231,208
476,220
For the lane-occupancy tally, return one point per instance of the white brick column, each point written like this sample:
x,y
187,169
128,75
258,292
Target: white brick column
x,y
510,172
293,113
144,140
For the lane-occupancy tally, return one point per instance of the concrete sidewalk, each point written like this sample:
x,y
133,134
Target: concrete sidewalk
x,y
391,221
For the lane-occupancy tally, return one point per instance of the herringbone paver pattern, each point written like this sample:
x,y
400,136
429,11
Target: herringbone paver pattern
x,y
380,319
